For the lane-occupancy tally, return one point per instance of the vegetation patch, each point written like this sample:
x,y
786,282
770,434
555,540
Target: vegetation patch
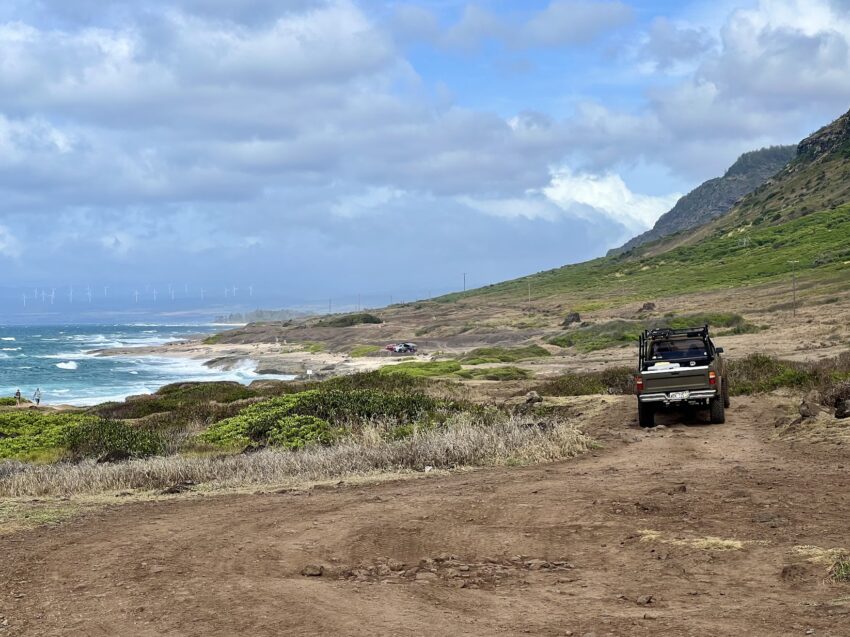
x,y
317,417
111,440
349,320
759,373
423,369
494,373
213,339
484,355
614,380
314,347
359,351
621,332
710,543
36,435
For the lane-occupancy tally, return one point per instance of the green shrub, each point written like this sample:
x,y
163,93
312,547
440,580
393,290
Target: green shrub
x,y
494,373
192,398
212,340
360,351
615,380
27,434
349,320
423,370
277,421
8,401
111,440
620,332
484,355
759,373
314,347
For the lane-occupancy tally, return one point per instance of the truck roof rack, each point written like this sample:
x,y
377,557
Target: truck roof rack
x,y
667,332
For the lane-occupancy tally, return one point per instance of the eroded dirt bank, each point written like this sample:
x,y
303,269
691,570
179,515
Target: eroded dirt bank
x,y
556,549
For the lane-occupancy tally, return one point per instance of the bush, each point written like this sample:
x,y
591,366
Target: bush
x,y
111,440
758,373
349,320
423,370
183,397
494,373
621,332
8,401
485,355
279,421
360,351
29,434
616,380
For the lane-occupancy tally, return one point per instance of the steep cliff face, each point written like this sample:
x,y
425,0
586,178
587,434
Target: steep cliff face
x,y
717,196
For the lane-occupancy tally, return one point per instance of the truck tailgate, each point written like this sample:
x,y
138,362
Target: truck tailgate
x,y
675,379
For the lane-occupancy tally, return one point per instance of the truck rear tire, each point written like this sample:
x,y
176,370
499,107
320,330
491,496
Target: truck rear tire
x,y
717,411
646,415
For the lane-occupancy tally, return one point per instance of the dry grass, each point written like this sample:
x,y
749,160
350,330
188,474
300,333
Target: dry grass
x,y
836,560
465,441
709,543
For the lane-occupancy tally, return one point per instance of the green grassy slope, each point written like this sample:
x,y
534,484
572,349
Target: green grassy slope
x,y
820,242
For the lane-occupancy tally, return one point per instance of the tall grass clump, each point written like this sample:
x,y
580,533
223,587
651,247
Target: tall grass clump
x,y
759,373
614,380
465,440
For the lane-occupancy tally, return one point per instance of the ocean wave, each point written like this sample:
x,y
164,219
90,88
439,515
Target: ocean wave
x,y
7,338
10,349
71,365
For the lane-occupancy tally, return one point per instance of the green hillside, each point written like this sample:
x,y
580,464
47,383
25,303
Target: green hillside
x,y
820,242
800,215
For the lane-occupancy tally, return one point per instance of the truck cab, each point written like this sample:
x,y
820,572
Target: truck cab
x,y
680,368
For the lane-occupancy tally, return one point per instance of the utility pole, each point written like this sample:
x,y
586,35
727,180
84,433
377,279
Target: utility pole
x,y
794,287
329,306
529,291
464,281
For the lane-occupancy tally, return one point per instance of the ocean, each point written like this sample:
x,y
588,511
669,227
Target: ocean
x,y
56,360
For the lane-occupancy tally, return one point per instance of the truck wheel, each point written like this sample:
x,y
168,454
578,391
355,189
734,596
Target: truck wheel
x,y
726,401
646,415
717,411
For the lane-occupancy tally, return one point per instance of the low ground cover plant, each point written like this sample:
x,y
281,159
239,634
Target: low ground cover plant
x,y
621,332
484,355
349,320
614,380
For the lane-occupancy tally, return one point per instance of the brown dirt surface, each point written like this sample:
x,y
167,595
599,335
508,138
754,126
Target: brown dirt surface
x,y
616,542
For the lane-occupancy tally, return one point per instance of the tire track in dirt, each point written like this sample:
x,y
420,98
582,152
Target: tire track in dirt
x,y
549,550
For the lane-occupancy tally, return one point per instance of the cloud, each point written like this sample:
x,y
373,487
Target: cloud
x,y
570,22
606,195
560,23
580,195
668,45
9,245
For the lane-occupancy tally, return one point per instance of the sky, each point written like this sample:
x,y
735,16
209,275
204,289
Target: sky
x,y
311,151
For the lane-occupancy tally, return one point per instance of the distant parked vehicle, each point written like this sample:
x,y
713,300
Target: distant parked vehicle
x,y
401,348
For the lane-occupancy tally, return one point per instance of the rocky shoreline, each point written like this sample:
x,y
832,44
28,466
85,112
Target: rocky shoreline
x,y
266,359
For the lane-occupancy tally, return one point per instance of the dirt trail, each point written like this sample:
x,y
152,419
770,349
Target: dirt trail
x,y
232,565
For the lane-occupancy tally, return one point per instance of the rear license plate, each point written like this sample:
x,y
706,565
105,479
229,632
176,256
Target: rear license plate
x,y
679,395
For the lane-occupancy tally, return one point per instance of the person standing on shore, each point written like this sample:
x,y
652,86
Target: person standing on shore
x,y
18,396
36,397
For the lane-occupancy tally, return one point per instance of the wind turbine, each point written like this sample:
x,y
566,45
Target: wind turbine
x,y
251,291
105,291
137,296
234,291
202,294
43,295
25,299
88,292
225,292
154,295
71,294
52,295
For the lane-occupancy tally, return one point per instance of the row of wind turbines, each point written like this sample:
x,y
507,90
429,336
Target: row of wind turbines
x,y
150,293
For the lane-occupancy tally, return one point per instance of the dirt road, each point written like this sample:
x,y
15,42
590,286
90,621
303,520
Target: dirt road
x,y
547,550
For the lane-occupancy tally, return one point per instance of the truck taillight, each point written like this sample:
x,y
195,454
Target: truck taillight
x,y
712,378
639,383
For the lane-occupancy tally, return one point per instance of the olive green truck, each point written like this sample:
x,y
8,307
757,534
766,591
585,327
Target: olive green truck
x,y
680,369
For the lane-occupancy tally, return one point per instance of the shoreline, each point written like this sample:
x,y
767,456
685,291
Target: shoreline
x,y
268,359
